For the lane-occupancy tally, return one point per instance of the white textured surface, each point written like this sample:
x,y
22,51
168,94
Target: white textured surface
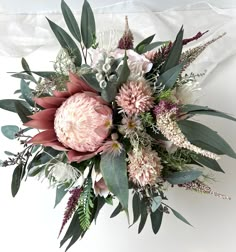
x,y
29,222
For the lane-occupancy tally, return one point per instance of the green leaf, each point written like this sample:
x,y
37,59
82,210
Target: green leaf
x,y
16,179
74,230
22,111
202,110
195,131
114,172
156,219
179,216
91,80
9,104
109,93
168,78
67,43
48,75
144,214
25,66
88,28
182,177
175,52
100,203
124,72
140,47
153,45
207,146
116,211
9,153
60,193
26,92
136,207
70,21
10,131
24,76
210,163
156,203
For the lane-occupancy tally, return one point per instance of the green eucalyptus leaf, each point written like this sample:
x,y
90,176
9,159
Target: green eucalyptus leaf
x,y
9,104
100,203
25,66
202,110
153,45
60,193
179,216
169,77
140,47
182,177
70,21
175,52
24,76
117,210
26,92
67,43
22,111
144,214
16,179
91,80
88,27
156,203
114,172
10,131
9,153
124,72
210,163
48,75
136,207
195,131
109,93
156,219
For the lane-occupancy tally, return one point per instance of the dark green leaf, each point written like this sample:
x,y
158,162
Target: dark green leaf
x,y
124,73
9,104
156,219
182,177
67,43
25,66
206,146
16,179
60,193
109,93
168,78
92,81
100,203
201,110
210,163
74,229
70,21
10,131
88,28
195,131
156,203
26,92
136,207
139,48
22,111
116,211
175,52
144,214
153,45
179,216
114,172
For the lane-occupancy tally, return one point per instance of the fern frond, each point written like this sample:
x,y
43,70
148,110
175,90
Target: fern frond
x,y
86,205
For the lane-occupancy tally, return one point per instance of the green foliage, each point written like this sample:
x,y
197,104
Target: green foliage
x,y
9,104
17,176
22,111
60,193
117,210
136,206
147,119
88,27
144,215
26,92
86,204
10,131
156,219
182,177
208,162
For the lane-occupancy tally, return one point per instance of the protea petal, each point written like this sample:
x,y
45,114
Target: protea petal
x,y
56,145
40,124
75,156
49,102
101,131
104,110
73,88
44,137
46,114
83,86
61,94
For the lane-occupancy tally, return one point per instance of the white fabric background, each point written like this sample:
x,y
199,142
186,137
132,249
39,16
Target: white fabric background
x,y
29,222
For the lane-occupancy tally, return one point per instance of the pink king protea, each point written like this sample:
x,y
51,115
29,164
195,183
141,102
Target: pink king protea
x,y
77,120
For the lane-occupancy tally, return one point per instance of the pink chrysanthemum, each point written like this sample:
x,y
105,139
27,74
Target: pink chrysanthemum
x,y
77,120
144,167
135,97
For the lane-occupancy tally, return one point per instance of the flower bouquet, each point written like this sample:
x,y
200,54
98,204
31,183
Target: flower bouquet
x,y
113,124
